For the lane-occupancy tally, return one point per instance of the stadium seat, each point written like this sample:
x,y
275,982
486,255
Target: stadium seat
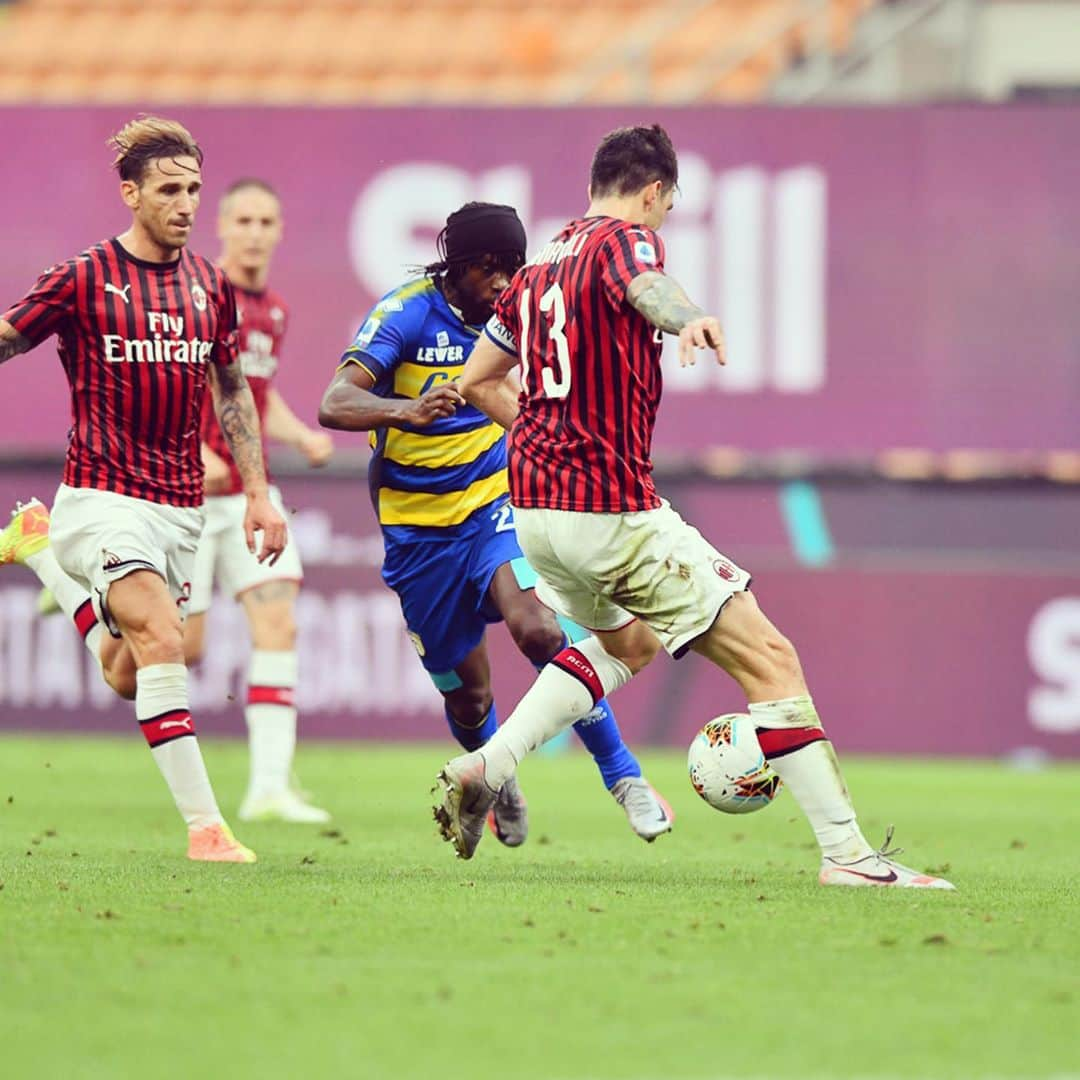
x,y
297,51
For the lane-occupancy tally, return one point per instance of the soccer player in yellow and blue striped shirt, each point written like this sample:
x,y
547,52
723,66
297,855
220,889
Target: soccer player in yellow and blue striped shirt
x,y
439,486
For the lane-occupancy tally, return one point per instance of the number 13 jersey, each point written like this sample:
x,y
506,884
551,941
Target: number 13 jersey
x,y
591,379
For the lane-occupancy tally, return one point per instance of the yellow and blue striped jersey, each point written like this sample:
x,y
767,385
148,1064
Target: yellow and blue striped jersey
x,y
436,476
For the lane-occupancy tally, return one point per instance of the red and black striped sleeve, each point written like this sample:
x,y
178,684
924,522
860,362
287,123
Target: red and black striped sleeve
x,y
504,327
44,308
628,251
227,334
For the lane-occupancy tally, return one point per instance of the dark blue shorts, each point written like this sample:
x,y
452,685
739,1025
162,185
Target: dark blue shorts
x,y
442,582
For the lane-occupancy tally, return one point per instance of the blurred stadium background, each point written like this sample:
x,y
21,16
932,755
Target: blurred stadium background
x,y
893,449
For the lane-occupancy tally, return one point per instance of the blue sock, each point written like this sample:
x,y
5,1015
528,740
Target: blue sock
x,y
472,738
600,734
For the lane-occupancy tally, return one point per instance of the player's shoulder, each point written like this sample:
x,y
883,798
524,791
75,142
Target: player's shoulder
x,y
94,252
642,244
261,303
412,298
397,319
407,306
276,304
94,255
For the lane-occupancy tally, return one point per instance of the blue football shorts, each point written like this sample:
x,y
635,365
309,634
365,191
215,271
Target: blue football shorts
x,y
442,583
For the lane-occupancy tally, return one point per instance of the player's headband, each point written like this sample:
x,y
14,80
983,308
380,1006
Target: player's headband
x,y
480,229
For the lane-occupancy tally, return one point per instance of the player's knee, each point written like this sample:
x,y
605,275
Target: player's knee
x,y
469,706
785,656
157,638
275,630
635,645
538,638
780,666
641,654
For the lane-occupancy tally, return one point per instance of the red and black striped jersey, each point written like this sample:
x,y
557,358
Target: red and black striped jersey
x,y
590,370
262,318
135,339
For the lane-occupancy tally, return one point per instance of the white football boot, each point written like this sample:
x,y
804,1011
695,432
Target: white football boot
x,y
879,869
646,809
465,803
508,819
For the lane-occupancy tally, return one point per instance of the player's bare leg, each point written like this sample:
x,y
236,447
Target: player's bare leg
x,y
270,712
745,644
118,667
566,689
25,541
540,637
149,621
194,638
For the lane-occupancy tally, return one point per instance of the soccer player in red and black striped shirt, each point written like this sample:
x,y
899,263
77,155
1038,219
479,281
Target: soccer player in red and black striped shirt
x,y
584,319
250,228
143,324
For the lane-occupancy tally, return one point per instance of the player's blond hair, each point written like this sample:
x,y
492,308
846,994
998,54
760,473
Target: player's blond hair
x,y
247,183
147,138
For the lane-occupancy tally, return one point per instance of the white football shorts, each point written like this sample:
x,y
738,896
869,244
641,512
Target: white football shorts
x,y
99,537
223,555
605,570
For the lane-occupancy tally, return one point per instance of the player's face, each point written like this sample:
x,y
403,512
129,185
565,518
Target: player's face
x,y
249,227
479,287
658,204
165,200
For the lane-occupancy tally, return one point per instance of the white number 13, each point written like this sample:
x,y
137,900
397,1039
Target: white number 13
x,y
552,303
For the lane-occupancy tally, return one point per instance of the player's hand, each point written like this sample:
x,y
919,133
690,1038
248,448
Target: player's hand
x,y
317,447
437,404
703,333
262,517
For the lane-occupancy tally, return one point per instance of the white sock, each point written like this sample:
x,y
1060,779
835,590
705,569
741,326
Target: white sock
x,y
271,721
73,599
161,707
564,691
794,743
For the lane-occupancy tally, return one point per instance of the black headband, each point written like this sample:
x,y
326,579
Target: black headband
x,y
480,229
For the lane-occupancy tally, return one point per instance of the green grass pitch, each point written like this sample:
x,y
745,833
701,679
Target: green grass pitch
x,y
367,950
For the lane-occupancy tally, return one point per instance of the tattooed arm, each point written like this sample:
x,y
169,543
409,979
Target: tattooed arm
x,y
665,304
11,341
235,408
239,420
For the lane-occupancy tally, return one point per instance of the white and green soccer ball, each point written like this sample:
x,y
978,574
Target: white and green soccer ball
x,y
728,769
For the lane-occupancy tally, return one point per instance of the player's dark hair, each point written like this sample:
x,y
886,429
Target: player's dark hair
x,y
629,158
146,139
479,233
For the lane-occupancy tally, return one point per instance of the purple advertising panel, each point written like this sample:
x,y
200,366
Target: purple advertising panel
x,y
886,277
907,648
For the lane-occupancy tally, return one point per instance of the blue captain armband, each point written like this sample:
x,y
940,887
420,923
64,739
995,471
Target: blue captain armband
x,y
500,335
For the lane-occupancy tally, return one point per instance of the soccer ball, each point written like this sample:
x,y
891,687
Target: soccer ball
x,y
728,769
